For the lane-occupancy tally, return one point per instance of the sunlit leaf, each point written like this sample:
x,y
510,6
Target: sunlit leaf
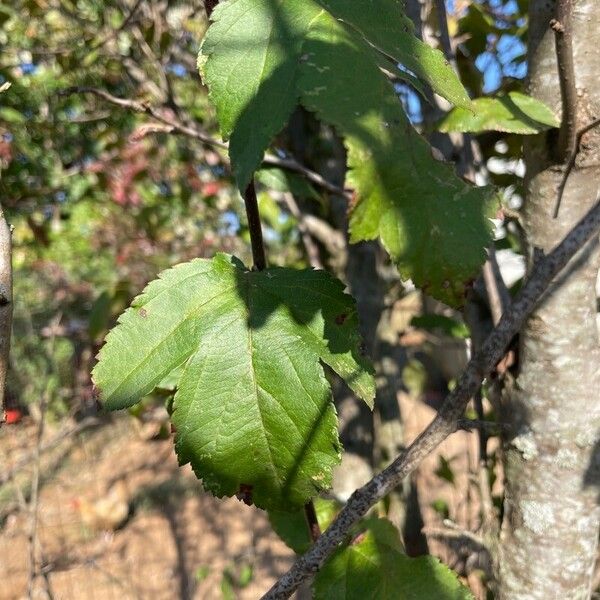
x,y
253,409
513,113
375,567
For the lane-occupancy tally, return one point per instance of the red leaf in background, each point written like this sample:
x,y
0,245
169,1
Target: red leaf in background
x,y
13,415
211,188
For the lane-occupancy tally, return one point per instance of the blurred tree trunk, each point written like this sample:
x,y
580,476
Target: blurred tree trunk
x,y
551,515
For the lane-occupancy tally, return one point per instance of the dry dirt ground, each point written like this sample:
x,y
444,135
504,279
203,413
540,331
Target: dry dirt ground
x,y
178,543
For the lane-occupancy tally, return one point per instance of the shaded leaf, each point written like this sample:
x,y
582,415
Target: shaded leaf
x,y
292,527
375,567
514,113
252,409
252,52
284,181
434,225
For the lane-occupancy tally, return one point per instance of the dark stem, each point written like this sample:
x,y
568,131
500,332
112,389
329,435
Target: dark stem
x,y
256,239
563,39
209,6
311,519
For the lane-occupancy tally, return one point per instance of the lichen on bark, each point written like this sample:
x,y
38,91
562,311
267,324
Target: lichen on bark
x,y
551,511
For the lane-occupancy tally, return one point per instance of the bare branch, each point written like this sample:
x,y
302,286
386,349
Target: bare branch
x,y
563,38
312,250
176,126
497,292
571,163
451,411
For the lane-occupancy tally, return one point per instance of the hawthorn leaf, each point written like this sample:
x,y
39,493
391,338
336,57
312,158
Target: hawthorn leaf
x,y
249,59
385,26
512,113
253,409
375,567
434,225
252,51
292,527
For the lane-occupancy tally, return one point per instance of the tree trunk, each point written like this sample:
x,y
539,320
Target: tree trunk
x,y
551,515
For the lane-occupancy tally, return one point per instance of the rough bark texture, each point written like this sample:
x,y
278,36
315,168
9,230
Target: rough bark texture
x,y
551,513
6,305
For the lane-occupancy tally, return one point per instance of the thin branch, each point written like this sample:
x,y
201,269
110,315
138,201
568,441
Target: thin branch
x,y
571,163
176,126
6,305
452,533
440,7
451,411
312,250
35,499
563,39
497,292
489,427
256,239
67,432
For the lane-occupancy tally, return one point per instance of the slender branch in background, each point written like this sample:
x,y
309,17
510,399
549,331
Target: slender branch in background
x,y
563,39
497,292
35,499
440,8
471,424
571,163
256,239
450,412
312,250
6,305
143,107
452,532
115,32
66,433
312,521
173,125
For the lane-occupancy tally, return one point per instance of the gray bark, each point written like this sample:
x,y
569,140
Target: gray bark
x,y
551,514
6,305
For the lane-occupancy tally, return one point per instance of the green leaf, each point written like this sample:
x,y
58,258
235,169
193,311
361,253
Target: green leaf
x,y
434,225
375,567
385,26
252,409
11,115
249,59
292,527
514,113
252,53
